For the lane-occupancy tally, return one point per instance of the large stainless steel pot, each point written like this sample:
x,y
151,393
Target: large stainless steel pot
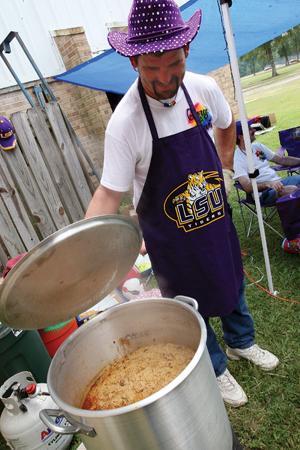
x,y
187,414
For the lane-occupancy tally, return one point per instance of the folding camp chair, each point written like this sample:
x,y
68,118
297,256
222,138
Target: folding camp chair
x,y
290,143
246,202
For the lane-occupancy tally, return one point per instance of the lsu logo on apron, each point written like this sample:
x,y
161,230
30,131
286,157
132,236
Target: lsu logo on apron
x,y
197,202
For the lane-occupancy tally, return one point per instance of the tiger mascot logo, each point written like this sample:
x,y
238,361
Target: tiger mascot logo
x,y
199,204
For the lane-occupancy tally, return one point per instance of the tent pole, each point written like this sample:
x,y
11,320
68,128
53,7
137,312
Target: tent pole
x,y
244,121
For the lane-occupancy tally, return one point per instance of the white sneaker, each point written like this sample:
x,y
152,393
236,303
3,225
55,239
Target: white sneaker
x,y
231,391
262,358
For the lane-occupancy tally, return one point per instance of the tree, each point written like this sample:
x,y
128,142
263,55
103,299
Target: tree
x,y
250,61
285,46
267,48
281,44
294,40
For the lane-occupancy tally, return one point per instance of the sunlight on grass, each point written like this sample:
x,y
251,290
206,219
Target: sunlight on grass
x,y
270,421
281,98
265,77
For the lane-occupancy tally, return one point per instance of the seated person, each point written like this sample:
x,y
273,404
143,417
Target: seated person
x,y
270,185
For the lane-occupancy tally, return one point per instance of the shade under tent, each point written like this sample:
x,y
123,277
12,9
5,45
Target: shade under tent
x,y
226,33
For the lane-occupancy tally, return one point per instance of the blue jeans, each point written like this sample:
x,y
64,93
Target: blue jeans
x,y
269,196
238,329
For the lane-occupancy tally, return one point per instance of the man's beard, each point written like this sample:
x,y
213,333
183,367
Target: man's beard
x,y
168,93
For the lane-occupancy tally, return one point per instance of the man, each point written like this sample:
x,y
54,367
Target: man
x,y
270,185
160,137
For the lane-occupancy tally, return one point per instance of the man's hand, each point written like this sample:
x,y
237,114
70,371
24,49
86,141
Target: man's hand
x,y
280,188
143,250
276,185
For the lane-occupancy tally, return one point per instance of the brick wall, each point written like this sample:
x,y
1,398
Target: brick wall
x,y
224,80
12,100
87,109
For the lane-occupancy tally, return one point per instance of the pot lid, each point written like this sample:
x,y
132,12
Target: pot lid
x,y
69,272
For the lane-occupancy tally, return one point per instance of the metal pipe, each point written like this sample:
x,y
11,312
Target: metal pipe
x,y
21,85
44,82
243,115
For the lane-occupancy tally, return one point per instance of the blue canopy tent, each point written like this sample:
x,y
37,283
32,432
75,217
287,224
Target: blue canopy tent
x,y
254,23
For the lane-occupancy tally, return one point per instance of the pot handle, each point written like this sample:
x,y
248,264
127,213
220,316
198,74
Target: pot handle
x,y
73,427
189,300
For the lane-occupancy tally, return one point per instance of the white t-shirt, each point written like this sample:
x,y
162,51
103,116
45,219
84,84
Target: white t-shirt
x,y
128,140
261,156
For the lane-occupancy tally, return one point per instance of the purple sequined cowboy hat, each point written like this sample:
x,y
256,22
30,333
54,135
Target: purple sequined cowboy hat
x,y
154,26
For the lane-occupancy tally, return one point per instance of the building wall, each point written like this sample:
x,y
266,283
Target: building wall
x,y
61,34
225,81
34,20
87,110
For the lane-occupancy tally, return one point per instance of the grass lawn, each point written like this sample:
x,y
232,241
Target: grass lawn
x,y
265,78
278,96
270,420
287,114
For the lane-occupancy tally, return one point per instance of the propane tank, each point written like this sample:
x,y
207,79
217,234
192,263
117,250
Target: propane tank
x,y
20,424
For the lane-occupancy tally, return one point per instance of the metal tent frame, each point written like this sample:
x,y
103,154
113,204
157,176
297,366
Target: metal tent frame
x,y
225,5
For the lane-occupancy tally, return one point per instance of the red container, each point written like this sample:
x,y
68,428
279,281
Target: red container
x,y
54,336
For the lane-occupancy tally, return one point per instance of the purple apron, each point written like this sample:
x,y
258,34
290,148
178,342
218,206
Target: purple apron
x,y
183,214
288,208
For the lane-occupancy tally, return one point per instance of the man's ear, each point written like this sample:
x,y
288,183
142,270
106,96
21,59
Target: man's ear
x,y
133,61
186,50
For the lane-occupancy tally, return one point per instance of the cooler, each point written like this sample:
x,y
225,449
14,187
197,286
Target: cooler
x,y
22,351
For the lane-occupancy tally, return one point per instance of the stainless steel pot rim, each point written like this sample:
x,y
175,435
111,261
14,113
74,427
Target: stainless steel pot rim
x,y
152,398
